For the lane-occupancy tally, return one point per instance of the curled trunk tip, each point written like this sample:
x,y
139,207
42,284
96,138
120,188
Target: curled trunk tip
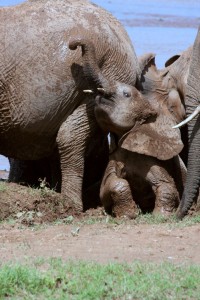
x,y
83,42
75,42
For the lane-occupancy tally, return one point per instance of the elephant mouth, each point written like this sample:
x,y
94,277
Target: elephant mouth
x,y
103,109
102,101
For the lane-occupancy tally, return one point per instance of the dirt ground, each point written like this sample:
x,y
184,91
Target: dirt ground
x,y
38,224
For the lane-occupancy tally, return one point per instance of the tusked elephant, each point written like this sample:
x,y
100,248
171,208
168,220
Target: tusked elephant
x,y
169,85
43,107
144,168
179,80
192,102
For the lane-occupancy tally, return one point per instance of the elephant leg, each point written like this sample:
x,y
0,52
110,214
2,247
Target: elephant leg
x,y
72,139
32,172
96,160
55,172
29,172
115,193
20,172
166,193
167,199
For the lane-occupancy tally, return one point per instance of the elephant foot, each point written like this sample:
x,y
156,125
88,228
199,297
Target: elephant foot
x,y
167,200
74,204
163,212
129,210
76,208
116,197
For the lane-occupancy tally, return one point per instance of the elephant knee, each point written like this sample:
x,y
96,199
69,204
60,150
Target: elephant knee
x,y
167,199
113,190
118,201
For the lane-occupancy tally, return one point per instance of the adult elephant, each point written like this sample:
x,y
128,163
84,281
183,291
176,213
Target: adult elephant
x,y
178,84
43,107
192,100
169,85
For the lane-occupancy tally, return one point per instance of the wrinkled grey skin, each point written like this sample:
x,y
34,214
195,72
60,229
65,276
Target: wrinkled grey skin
x,y
182,76
42,104
192,101
146,155
169,85
134,182
144,170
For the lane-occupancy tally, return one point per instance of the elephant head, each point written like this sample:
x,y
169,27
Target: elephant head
x,y
167,86
142,123
119,106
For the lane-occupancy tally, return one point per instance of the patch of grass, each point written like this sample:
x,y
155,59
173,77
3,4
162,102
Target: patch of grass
x,y
187,221
171,221
3,186
149,219
9,221
104,219
153,219
81,280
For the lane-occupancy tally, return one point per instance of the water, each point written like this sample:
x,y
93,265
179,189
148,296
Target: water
x,y
160,26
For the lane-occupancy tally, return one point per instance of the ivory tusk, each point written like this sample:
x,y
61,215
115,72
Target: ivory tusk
x,y
101,89
88,91
188,119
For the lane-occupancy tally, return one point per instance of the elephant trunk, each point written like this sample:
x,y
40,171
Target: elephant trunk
x,y
193,173
90,67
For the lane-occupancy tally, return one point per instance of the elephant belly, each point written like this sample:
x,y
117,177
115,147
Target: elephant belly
x,y
26,147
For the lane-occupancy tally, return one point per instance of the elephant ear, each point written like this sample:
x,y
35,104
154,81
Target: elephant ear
x,y
157,139
171,60
146,59
147,63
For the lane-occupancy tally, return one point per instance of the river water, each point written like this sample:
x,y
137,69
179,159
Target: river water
x,y
160,26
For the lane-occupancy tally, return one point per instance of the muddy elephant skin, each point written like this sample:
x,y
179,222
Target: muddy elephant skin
x,y
135,182
42,104
144,169
181,78
168,85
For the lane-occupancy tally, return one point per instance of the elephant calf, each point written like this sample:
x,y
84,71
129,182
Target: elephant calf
x,y
144,169
134,180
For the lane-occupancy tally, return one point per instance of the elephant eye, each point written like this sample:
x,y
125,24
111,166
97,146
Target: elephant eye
x,y
127,94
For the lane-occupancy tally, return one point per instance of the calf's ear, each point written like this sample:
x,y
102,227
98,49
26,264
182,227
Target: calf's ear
x,y
171,60
157,139
147,63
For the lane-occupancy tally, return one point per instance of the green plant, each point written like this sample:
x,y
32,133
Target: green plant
x,y
55,279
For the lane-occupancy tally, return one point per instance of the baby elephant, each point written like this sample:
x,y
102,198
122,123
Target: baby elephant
x,y
134,182
144,169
